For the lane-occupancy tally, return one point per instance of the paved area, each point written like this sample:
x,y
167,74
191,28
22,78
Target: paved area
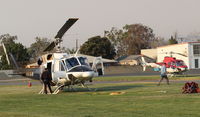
x,y
25,81
22,81
17,80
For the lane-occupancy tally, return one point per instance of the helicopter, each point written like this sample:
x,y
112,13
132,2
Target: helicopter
x,y
66,70
69,70
173,66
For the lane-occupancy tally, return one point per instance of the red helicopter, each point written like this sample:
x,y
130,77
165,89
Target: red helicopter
x,y
173,65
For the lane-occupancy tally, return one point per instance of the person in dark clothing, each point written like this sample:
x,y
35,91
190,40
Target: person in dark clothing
x,y
46,80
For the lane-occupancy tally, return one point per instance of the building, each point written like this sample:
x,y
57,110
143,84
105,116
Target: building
x,y
133,60
151,53
189,52
106,62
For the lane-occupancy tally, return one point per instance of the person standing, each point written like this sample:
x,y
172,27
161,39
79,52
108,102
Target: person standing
x,y
46,79
163,74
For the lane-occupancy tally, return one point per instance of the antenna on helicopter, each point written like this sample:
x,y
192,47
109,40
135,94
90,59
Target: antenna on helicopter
x,y
77,51
61,32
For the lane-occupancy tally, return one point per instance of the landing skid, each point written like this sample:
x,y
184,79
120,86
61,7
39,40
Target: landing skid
x,y
85,86
42,91
58,89
177,74
170,75
70,87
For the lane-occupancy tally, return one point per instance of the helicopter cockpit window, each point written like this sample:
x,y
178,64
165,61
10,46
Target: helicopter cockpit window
x,y
62,67
173,64
83,61
180,63
71,62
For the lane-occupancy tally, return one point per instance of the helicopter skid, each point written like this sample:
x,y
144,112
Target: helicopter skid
x,y
58,89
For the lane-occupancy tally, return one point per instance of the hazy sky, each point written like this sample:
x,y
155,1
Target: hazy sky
x,y
30,18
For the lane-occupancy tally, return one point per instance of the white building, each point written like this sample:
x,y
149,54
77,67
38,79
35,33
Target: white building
x,y
105,61
189,52
151,53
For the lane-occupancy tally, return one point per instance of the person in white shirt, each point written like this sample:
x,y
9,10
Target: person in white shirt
x,y
163,74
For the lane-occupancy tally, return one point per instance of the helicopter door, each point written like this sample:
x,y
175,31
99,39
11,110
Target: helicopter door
x,y
59,70
49,66
97,66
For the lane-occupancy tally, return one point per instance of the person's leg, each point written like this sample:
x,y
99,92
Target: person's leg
x,y
160,80
49,86
45,88
167,80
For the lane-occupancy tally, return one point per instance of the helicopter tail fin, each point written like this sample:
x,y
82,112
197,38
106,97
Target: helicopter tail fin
x,y
5,51
143,63
14,61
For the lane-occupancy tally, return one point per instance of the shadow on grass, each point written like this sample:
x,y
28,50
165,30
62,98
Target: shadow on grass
x,y
106,88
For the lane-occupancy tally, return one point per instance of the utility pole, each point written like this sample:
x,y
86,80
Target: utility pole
x,y
76,44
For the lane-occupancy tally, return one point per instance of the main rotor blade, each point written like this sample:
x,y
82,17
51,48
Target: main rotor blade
x,y
182,54
50,47
60,33
65,27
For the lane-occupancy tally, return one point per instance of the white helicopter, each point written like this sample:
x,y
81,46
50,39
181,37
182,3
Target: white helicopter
x,y
66,69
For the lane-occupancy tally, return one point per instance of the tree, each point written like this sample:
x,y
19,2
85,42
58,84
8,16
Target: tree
x,y
191,37
158,41
18,51
36,48
7,38
138,37
172,40
70,51
131,39
98,46
4,63
117,36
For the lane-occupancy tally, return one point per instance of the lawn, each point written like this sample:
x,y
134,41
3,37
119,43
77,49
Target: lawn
x,y
144,78
137,100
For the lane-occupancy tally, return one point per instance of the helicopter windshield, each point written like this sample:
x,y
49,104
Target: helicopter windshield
x,y
180,63
83,61
71,62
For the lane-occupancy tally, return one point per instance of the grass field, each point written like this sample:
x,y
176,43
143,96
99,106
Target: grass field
x,y
144,78
137,100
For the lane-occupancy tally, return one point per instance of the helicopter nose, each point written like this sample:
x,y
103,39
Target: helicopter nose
x,y
183,69
88,74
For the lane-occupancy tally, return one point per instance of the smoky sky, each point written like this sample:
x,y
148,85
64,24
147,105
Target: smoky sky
x,y
43,18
